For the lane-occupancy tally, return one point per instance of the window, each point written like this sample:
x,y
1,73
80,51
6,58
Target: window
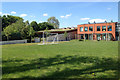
x,y
98,28
81,29
109,28
86,29
90,28
103,28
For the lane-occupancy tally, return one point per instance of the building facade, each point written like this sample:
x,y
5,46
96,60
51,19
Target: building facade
x,y
98,31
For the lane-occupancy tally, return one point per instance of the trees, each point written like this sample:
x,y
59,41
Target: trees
x,y
8,20
8,32
19,30
54,22
27,23
14,30
40,26
34,25
45,25
0,28
65,35
28,31
4,38
5,22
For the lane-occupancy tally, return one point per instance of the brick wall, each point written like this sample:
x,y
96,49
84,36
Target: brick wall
x,y
95,28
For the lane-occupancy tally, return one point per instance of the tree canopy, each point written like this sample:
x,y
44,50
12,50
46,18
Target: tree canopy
x,y
34,25
14,27
8,20
18,30
54,22
45,25
27,31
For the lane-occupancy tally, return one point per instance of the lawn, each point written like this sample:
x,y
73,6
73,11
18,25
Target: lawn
x,y
74,59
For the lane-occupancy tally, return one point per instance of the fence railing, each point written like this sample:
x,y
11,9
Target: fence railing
x,y
13,42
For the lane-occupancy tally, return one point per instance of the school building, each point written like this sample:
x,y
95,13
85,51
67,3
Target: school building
x,y
91,31
99,31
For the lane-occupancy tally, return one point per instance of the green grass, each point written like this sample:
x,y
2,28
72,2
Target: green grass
x,y
74,59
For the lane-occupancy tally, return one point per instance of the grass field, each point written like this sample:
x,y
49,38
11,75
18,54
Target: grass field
x,y
74,59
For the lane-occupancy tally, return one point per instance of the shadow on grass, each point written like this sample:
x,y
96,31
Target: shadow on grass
x,y
7,61
103,64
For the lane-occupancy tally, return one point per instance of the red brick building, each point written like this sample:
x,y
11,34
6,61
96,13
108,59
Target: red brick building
x,y
98,31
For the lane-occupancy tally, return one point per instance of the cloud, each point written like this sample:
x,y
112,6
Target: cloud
x,y
23,15
7,13
13,12
84,18
97,20
108,8
66,16
62,16
45,14
0,13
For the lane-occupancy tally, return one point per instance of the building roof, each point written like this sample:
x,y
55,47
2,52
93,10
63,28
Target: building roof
x,y
97,23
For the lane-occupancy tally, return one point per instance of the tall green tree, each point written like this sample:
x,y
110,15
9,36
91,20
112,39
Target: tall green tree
x,y
26,23
54,22
28,31
65,35
34,25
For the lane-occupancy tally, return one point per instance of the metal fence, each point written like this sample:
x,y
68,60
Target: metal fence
x,y
13,42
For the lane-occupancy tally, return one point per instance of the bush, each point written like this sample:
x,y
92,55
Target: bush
x,y
28,40
15,36
4,38
81,40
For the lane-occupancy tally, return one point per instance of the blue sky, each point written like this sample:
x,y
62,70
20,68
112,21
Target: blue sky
x,y
68,13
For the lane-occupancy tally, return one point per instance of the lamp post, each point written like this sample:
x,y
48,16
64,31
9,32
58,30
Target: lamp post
x,y
106,30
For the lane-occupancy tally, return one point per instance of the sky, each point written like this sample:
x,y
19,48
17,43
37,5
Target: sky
x,y
68,13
